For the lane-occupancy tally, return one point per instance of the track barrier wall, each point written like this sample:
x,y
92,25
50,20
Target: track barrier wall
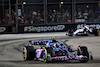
x,y
45,27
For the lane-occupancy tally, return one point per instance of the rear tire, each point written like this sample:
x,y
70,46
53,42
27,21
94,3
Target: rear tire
x,y
87,33
96,32
28,53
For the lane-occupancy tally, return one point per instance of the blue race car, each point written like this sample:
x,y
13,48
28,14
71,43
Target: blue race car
x,y
53,50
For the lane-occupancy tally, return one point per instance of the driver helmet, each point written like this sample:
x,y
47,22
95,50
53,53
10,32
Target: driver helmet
x,y
54,40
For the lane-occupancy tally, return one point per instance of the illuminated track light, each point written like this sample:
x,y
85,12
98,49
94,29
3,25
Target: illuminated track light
x,y
62,3
24,3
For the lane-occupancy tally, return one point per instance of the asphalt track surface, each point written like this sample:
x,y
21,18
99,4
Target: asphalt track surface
x,y
11,47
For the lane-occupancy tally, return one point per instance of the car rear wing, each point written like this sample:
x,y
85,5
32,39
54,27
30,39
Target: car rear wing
x,y
38,42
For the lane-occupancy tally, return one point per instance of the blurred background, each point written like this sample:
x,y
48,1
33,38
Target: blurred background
x,y
31,12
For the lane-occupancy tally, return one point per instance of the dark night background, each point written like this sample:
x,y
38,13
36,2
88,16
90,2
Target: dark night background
x,y
50,6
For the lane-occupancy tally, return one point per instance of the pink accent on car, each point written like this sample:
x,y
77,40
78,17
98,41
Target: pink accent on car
x,y
80,56
24,52
76,57
39,54
67,58
80,50
61,57
32,42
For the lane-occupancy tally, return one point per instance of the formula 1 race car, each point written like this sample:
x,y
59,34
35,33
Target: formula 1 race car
x,y
87,30
53,50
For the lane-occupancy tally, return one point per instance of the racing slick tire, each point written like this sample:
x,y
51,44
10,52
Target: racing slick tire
x,y
84,52
29,53
87,33
50,50
46,54
96,32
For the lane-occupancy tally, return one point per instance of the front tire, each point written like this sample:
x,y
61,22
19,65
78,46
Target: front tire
x,y
44,55
83,50
47,53
50,51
